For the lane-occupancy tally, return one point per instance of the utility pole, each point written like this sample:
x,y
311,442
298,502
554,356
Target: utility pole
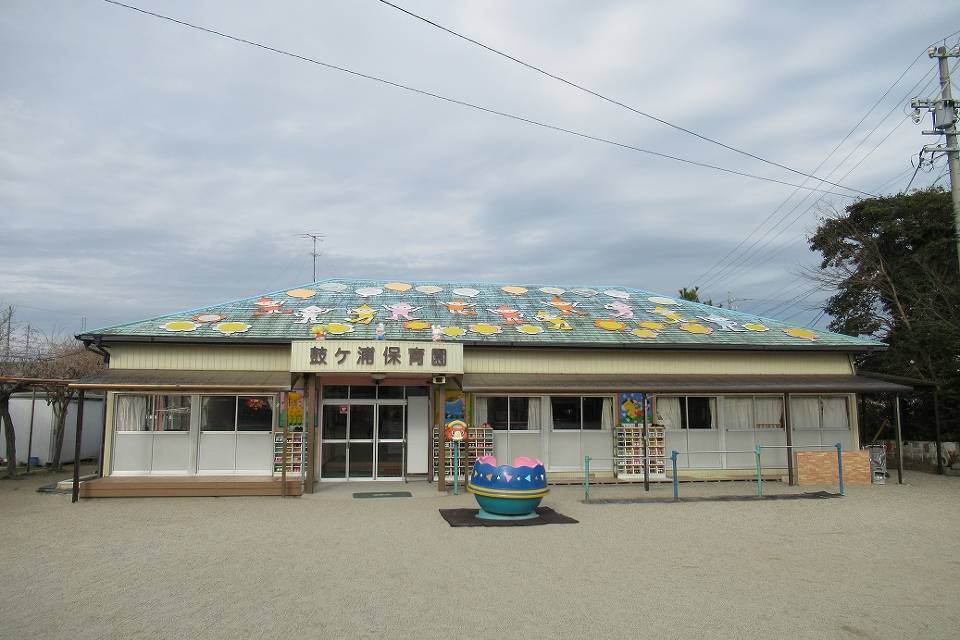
x,y
315,237
944,113
7,335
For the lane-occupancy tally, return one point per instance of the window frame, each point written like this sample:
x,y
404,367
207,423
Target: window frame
x,y
508,396
685,411
151,413
236,412
753,398
600,396
820,397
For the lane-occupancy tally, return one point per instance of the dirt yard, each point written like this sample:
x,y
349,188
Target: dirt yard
x,y
881,563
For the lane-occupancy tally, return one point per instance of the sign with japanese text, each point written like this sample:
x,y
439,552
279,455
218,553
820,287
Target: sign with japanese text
x,y
376,356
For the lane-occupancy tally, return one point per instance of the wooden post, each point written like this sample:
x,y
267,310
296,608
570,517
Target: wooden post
x,y
646,453
936,425
788,429
76,449
284,400
309,429
103,434
899,440
33,406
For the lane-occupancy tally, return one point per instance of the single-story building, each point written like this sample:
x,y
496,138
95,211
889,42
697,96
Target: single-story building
x,y
359,375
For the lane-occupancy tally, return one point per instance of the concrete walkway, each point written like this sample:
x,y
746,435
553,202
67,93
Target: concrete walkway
x,y
880,563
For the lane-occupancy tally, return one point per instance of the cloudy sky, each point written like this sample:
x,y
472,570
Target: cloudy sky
x,y
146,167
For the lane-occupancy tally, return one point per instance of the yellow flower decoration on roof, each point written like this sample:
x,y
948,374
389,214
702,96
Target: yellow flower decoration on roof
x,y
429,289
338,328
514,290
230,328
644,333
652,326
755,326
800,332
530,329
399,287
453,332
609,325
696,328
179,325
485,329
417,325
301,293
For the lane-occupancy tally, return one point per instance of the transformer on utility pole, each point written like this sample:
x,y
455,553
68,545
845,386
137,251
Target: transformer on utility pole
x,y
944,113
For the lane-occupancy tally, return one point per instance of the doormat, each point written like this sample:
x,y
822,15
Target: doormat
x,y
812,495
468,518
383,494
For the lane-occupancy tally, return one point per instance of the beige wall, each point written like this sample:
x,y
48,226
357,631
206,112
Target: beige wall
x,y
598,361
201,357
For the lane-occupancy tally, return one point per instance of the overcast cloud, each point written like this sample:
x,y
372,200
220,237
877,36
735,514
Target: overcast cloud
x,y
147,168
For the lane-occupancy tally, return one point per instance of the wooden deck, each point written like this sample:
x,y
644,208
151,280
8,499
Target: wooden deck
x,y
186,486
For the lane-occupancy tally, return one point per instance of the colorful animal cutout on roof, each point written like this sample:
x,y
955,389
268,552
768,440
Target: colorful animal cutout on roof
x,y
620,309
669,314
311,314
364,314
724,324
461,308
555,322
267,306
401,311
563,306
508,314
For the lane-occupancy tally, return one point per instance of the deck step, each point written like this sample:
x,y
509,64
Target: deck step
x,y
193,486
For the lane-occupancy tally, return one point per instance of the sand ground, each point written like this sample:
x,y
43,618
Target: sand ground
x,y
884,562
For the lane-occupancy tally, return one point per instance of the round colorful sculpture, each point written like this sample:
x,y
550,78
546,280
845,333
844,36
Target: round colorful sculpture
x,y
505,491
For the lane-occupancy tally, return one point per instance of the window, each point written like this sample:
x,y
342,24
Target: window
x,y
687,412
157,413
508,413
575,413
749,412
819,412
236,413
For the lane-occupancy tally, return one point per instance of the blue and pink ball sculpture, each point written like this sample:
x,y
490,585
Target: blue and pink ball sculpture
x,y
508,491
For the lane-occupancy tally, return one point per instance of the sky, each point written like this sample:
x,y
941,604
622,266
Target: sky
x,y
147,168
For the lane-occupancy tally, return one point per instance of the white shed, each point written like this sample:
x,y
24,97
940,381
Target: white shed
x,y
42,444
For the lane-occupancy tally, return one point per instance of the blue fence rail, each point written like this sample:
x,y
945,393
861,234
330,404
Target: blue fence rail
x,y
674,455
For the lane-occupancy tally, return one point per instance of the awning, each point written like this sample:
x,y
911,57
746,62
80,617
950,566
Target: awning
x,y
536,383
173,380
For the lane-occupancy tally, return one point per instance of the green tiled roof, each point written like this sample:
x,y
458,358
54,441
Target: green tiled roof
x,y
481,313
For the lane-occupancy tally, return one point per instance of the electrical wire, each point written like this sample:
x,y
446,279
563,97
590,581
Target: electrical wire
x,y
828,156
613,101
471,105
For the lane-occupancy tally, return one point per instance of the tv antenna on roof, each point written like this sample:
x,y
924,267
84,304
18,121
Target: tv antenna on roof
x,y
315,237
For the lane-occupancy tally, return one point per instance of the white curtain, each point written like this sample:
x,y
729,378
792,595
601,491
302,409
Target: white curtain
x,y
769,413
479,410
534,421
738,413
606,420
835,414
805,413
668,412
546,413
131,413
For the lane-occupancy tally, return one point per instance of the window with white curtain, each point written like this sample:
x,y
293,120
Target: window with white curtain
x,y
687,412
152,412
819,412
752,412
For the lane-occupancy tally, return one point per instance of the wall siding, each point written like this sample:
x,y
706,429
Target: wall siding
x,y
587,361
201,357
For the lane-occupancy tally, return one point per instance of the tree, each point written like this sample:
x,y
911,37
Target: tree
x,y
693,295
63,360
893,262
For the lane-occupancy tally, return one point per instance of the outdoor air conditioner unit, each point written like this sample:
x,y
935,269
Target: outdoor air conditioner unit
x,y
439,379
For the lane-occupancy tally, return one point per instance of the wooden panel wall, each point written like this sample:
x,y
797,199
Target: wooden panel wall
x,y
201,357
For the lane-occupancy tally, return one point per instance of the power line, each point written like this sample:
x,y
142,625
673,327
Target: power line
x,y
613,101
471,105
824,161
735,265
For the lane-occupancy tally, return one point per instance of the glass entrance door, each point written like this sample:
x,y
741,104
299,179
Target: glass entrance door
x,y
362,437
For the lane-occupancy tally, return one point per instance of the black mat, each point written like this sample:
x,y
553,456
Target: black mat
x,y
468,518
813,495
383,494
